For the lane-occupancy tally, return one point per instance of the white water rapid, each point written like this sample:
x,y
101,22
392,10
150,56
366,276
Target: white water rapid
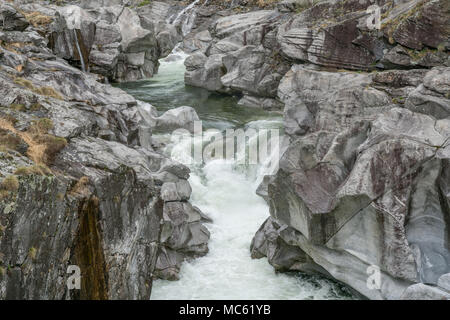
x,y
225,192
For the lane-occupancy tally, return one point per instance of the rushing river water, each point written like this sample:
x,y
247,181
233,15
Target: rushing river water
x,y
226,192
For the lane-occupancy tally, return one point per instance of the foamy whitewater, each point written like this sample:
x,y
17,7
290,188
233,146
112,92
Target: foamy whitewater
x,y
226,193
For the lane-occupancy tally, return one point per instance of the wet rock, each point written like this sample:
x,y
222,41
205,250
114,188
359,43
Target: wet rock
x,y
178,118
176,191
204,72
72,34
257,102
341,191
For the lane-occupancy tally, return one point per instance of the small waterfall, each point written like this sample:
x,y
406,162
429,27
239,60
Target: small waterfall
x,y
190,12
80,53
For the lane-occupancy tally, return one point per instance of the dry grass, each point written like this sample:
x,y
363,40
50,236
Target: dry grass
x,y
266,3
38,169
10,183
81,187
9,140
44,91
32,253
37,19
42,147
8,187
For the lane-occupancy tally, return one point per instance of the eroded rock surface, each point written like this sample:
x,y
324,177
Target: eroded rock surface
x,y
79,182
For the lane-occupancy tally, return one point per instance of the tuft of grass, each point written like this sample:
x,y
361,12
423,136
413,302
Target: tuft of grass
x,y
10,183
24,82
38,169
41,126
49,92
37,19
17,107
144,3
9,140
32,253
42,147
44,91
36,106
81,187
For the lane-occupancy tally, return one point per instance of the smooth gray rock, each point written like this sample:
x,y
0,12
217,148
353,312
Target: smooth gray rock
x,y
10,19
421,291
444,282
363,183
204,72
101,198
178,118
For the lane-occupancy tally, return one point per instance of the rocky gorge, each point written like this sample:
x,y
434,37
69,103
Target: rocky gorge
x,y
363,184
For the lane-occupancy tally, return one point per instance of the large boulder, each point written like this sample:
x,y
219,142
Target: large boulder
x,y
72,35
363,184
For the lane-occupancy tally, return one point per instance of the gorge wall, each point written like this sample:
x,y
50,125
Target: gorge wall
x,y
80,182
364,183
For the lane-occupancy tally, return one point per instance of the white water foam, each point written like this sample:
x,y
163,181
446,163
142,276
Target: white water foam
x,y
226,193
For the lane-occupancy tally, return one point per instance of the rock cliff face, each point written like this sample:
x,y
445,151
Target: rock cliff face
x,y
114,39
364,182
362,188
79,182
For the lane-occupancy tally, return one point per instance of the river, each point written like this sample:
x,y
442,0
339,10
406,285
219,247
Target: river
x,y
224,191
